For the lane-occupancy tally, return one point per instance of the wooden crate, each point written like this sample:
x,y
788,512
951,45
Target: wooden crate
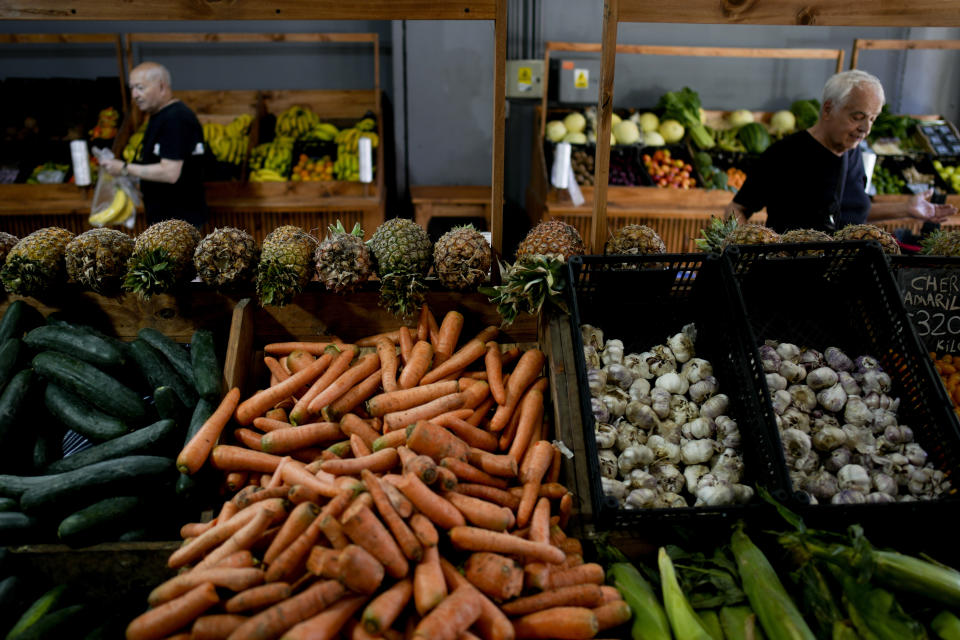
x,y
450,201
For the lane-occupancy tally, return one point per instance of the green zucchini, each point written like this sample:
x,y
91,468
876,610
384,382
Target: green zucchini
x,y
61,623
206,369
16,527
13,440
41,605
76,342
78,414
13,486
10,352
90,383
19,318
175,354
170,406
13,600
9,504
156,439
134,535
158,372
95,482
48,446
100,522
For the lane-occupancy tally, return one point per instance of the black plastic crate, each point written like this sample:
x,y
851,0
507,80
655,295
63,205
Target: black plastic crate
x,y
846,297
642,300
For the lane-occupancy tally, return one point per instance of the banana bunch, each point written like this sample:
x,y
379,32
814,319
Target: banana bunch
x,y
228,142
240,126
134,145
367,124
347,167
266,175
117,212
321,131
271,161
296,121
347,139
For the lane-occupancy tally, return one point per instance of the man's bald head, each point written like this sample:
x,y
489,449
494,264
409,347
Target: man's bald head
x,y
150,86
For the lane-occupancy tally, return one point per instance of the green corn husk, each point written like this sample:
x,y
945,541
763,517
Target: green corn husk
x,y
843,630
711,622
649,619
874,612
683,619
817,600
946,626
779,616
739,623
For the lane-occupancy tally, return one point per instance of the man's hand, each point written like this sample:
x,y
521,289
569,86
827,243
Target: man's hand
x,y
920,207
113,166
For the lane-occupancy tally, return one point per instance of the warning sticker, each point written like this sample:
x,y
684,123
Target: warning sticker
x,y
581,78
524,78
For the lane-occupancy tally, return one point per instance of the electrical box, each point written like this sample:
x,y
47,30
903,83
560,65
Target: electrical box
x,y
525,79
579,81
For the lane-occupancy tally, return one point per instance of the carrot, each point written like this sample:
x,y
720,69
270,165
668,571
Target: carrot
x,y
531,416
196,451
359,570
433,440
557,622
405,342
427,328
429,587
490,494
194,529
263,400
494,464
556,465
296,473
298,360
446,479
487,334
296,523
285,348
327,624
448,335
244,537
612,614
267,425
371,341
586,573
440,511
215,627
424,530
288,560
497,576
337,365
474,375
333,531
278,371
354,397
253,494
325,562
273,622
421,466
527,370
407,417
299,494
566,507
481,412
468,473
365,529
383,610
163,620
402,533
235,579
230,458
398,501
235,480
453,615
365,366
540,522
493,363
477,539
227,511
421,355
202,544
475,392
350,424
492,623
460,360
290,438
277,413
541,455
610,593
398,400
473,436
382,460
584,595
258,597
480,512
392,439
358,447
248,438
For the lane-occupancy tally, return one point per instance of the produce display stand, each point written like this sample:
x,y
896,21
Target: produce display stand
x,y
677,215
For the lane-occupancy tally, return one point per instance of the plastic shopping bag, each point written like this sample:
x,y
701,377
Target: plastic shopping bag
x,y
115,199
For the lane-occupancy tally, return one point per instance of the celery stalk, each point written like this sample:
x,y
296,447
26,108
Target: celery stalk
x,y
711,622
683,619
649,618
946,626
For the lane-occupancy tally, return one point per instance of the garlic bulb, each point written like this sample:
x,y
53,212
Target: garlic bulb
x,y
875,381
856,412
615,400
794,418
592,336
626,435
600,411
697,451
612,352
780,401
682,410
849,496
637,365
692,474
596,381
613,487
849,384
728,466
832,398
878,497
788,351
640,390
660,402
669,478
860,439
641,479
821,484
742,493
792,371
682,347
776,382
883,483
672,382
701,391
608,463
666,452
837,359
915,454
640,499
828,439
662,360
619,375
670,500
641,415
837,459
698,428
796,444
716,495
821,378
696,369
714,406
769,359
865,363
606,436
811,359
804,398
853,477
670,430
629,459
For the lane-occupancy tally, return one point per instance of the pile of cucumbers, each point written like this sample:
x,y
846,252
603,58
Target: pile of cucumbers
x,y
137,402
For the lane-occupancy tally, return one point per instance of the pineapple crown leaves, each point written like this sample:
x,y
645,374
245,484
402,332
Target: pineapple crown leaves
x,y
711,238
929,241
276,284
150,273
339,228
402,292
528,285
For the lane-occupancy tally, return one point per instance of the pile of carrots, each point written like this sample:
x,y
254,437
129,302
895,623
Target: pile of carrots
x,y
393,488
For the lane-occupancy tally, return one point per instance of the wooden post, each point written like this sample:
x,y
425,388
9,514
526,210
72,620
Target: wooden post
x,y
499,115
601,164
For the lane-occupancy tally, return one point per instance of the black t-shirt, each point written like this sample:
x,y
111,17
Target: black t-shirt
x,y
803,184
175,133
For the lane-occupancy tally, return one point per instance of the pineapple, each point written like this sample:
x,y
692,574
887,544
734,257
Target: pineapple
x,y
403,254
162,258
461,258
942,243
712,237
35,264
342,260
551,237
97,259
751,234
804,235
7,240
635,239
285,265
226,257
869,232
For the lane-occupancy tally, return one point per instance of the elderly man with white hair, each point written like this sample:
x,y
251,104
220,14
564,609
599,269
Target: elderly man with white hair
x,y
814,179
170,164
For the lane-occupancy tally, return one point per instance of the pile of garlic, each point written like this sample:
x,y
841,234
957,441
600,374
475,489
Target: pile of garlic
x,y
662,432
842,440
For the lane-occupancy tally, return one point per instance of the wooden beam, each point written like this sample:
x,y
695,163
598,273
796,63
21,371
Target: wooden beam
x,y
875,13
601,164
248,10
703,52
499,126
252,37
58,38
865,44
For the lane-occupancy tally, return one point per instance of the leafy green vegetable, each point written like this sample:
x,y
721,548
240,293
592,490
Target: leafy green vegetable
x,y
807,113
888,125
684,106
708,582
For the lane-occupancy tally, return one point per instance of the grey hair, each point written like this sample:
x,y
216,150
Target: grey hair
x,y
155,72
838,87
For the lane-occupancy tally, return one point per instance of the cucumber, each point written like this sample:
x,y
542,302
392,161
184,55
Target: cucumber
x,y
13,601
155,439
169,406
48,447
95,482
41,605
206,369
175,354
61,623
100,522
10,352
16,527
76,342
134,535
19,318
12,486
14,444
158,372
81,416
9,504
90,383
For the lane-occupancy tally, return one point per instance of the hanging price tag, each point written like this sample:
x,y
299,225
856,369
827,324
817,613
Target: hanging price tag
x,y
365,160
560,175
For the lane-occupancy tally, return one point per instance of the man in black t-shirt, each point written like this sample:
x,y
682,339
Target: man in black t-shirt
x,y
170,165
814,179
